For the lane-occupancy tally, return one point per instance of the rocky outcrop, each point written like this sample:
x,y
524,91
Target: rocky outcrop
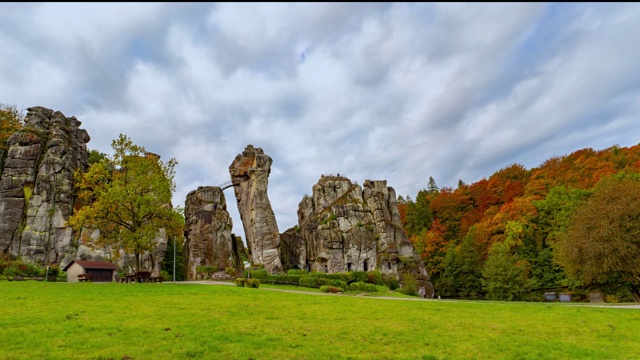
x,y
36,186
208,232
250,176
343,227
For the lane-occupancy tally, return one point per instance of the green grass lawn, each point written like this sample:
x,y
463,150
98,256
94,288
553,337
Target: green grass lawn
x,y
176,321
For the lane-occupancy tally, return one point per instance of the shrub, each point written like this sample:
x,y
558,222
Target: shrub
x,y
283,279
230,271
206,269
374,277
391,281
362,287
331,289
259,274
360,276
252,283
409,285
339,283
165,275
297,272
240,282
313,281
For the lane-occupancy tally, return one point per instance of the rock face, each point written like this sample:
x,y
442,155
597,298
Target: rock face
x,y
344,227
36,186
250,172
37,194
208,232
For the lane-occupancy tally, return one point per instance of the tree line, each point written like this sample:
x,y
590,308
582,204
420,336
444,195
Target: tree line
x,y
571,224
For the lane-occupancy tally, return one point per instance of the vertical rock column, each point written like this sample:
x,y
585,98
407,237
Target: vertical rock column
x,y
250,172
36,187
208,232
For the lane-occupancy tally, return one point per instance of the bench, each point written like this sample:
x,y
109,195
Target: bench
x,y
156,279
84,277
143,276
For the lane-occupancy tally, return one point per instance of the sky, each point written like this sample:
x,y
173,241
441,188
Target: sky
x,y
398,91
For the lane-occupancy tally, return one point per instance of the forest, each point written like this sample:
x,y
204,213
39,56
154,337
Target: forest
x,y
570,225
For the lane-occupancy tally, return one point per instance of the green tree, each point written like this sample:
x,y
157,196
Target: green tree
x,y
96,156
602,245
11,120
462,270
505,274
167,261
127,197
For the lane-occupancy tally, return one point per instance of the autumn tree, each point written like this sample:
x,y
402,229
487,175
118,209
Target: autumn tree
x,y
602,244
127,197
11,120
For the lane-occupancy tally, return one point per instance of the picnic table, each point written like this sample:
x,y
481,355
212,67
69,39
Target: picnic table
x,y
84,277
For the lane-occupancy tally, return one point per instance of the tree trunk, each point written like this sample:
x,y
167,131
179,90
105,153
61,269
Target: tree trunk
x,y
635,292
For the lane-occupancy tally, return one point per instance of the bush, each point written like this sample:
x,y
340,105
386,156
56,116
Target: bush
x,y
252,283
360,276
391,281
331,289
240,282
165,275
374,277
362,287
230,271
259,274
206,269
313,281
283,279
295,272
410,285
339,283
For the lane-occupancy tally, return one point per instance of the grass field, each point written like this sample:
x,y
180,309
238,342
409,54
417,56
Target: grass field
x,y
176,321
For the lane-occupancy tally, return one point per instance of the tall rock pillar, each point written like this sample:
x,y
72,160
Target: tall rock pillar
x,y
250,174
36,186
208,232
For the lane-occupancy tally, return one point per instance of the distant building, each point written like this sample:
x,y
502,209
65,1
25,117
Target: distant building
x,y
101,271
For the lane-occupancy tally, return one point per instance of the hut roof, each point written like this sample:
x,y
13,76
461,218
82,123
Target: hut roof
x,y
92,264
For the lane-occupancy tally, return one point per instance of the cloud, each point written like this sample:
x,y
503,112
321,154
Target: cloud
x,y
398,91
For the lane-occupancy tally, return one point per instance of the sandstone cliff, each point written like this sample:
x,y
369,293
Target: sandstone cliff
x,y
37,194
208,232
36,185
343,227
250,172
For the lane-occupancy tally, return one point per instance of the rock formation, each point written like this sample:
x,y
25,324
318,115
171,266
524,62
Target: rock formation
x,y
208,232
36,186
37,193
344,227
250,175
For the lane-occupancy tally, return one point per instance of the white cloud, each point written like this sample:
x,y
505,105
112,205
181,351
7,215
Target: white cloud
x,y
399,91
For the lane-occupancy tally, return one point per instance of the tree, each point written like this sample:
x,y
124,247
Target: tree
x,y
462,270
602,245
11,120
167,261
505,273
127,198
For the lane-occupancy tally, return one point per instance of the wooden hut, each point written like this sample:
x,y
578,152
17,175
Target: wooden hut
x,y
100,271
